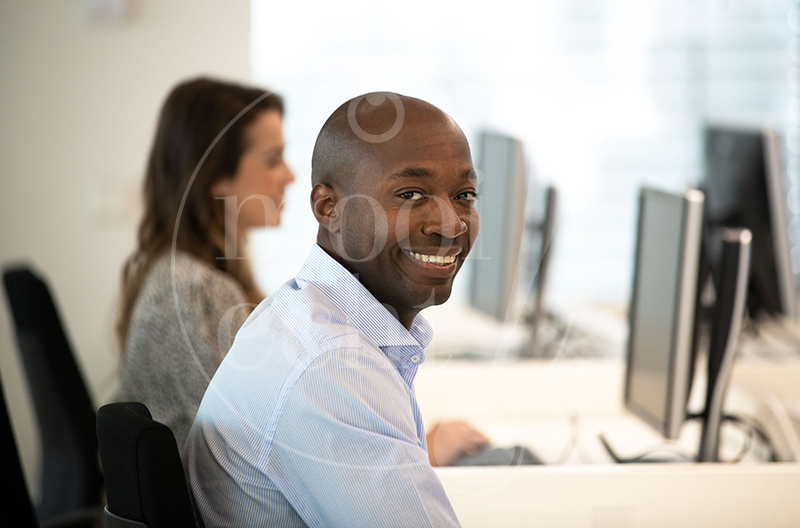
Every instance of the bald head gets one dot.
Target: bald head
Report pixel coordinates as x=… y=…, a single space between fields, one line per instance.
x=362 y=131
x=394 y=191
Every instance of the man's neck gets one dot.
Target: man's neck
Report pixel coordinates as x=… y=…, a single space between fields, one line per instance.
x=407 y=320
x=406 y=317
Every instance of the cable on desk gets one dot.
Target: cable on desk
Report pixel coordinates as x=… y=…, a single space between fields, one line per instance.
x=754 y=429
x=748 y=424
x=574 y=438
x=680 y=455
x=752 y=425
x=746 y=446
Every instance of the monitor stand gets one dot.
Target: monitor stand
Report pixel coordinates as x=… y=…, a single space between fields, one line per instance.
x=547 y=231
x=725 y=328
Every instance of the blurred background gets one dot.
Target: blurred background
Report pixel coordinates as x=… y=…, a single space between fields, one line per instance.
x=606 y=95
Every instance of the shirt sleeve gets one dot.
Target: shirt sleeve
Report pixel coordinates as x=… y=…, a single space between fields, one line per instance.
x=346 y=450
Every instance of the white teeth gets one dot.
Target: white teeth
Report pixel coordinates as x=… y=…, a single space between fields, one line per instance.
x=441 y=261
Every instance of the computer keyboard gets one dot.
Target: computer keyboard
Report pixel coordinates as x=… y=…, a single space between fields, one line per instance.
x=500 y=456
x=557 y=337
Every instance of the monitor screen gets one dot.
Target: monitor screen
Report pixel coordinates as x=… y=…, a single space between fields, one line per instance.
x=502 y=186
x=744 y=187
x=662 y=307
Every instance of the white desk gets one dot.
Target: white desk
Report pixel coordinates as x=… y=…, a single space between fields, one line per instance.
x=641 y=495
x=531 y=402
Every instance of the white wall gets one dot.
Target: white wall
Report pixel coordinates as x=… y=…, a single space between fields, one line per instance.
x=77 y=112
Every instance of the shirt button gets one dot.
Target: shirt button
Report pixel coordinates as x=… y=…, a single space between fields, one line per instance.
x=415 y=359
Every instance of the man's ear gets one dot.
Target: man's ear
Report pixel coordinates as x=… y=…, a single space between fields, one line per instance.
x=323 y=203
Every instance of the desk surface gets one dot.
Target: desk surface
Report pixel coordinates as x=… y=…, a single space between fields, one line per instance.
x=531 y=402
x=669 y=496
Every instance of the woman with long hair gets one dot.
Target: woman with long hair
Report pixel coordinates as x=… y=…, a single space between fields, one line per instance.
x=216 y=169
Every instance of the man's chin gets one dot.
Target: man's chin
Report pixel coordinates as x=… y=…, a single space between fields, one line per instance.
x=435 y=296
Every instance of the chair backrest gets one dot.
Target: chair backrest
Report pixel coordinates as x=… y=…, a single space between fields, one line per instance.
x=17 y=502
x=145 y=482
x=71 y=478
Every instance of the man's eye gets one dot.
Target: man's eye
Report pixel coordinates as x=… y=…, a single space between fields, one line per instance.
x=412 y=195
x=469 y=196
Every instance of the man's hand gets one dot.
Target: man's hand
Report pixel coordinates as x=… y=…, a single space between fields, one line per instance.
x=449 y=440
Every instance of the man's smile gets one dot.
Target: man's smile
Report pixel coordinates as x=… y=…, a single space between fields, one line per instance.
x=430 y=265
x=433 y=259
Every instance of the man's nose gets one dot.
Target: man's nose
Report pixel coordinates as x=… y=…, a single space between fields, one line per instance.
x=444 y=220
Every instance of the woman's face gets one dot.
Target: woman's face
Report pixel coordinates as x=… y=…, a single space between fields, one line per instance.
x=254 y=196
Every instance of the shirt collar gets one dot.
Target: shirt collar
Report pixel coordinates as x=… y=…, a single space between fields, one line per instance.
x=364 y=311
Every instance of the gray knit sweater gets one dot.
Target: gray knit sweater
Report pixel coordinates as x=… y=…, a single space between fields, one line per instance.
x=167 y=366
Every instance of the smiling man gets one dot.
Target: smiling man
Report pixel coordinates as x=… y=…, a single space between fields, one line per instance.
x=311 y=420
x=399 y=212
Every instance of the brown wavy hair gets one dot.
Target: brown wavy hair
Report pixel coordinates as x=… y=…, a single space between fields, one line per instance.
x=196 y=114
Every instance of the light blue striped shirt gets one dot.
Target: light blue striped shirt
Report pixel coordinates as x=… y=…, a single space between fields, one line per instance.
x=311 y=419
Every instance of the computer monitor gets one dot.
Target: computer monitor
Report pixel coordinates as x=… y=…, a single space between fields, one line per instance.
x=662 y=342
x=744 y=187
x=502 y=186
x=662 y=309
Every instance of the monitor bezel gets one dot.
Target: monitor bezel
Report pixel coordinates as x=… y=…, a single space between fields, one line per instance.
x=681 y=356
x=508 y=225
x=779 y=218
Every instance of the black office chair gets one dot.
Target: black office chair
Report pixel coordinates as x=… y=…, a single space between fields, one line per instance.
x=17 y=505
x=145 y=482
x=70 y=480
